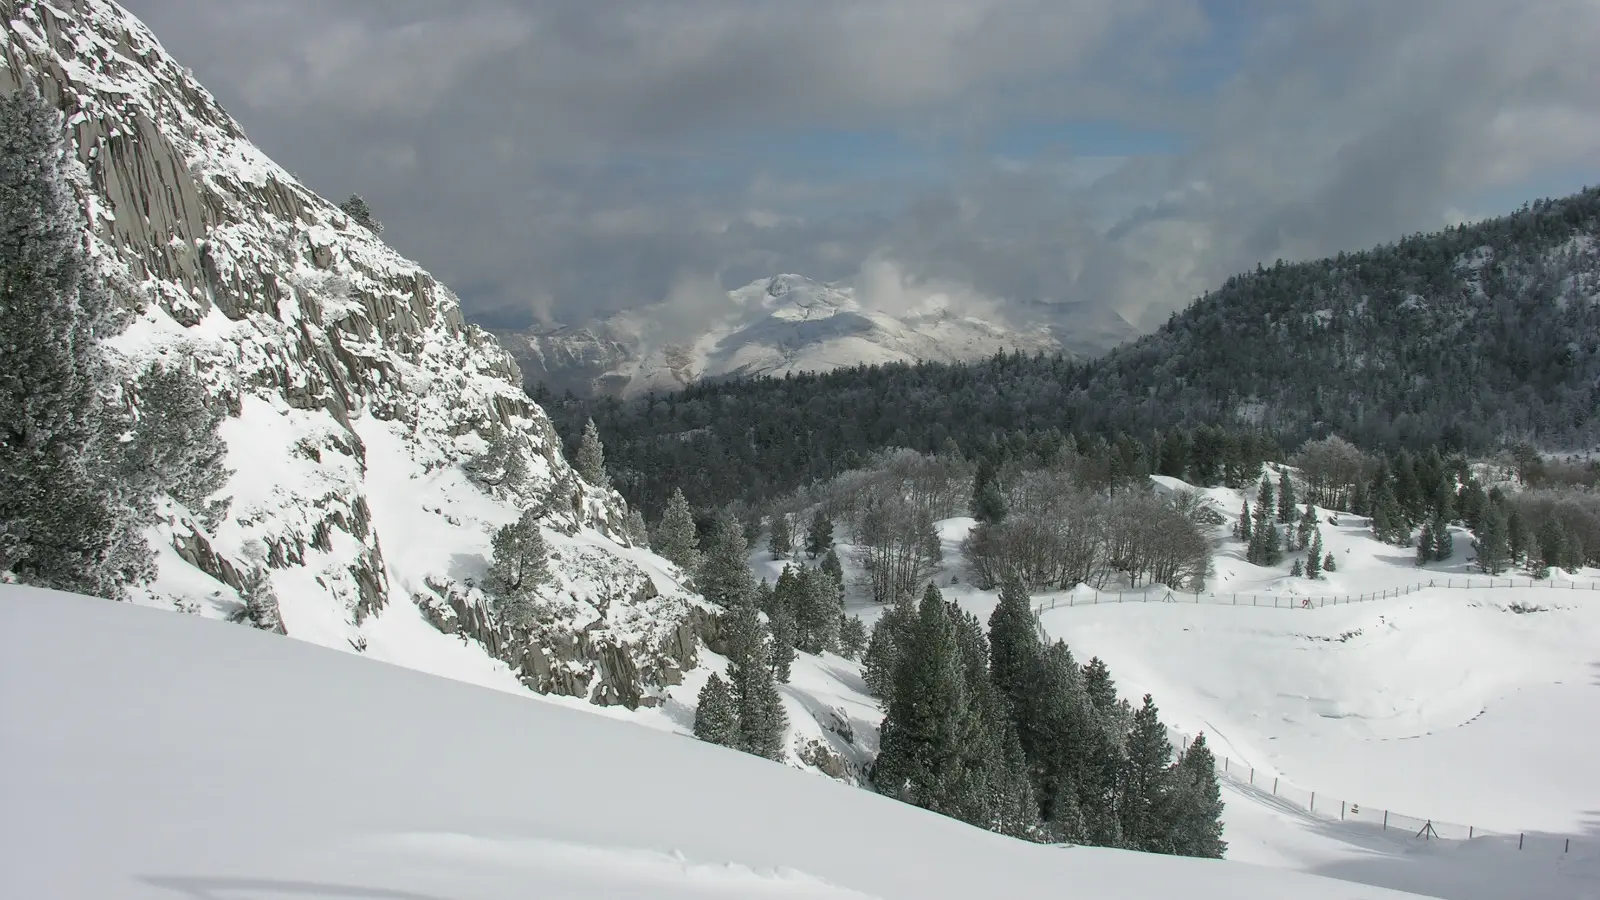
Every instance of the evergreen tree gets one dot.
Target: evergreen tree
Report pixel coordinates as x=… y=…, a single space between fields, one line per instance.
x=831 y=567
x=677 y=539
x=1425 y=548
x=175 y=446
x=883 y=649
x=634 y=527
x=58 y=495
x=819 y=537
x=1286 y=500
x=724 y=577
x=1098 y=685
x=988 y=503
x=1471 y=502
x=1145 y=780
x=1493 y=553
x=819 y=609
x=591 y=459
x=1329 y=564
x=1242 y=529
x=1520 y=542
x=852 y=636
x=1014 y=645
x=1553 y=544
x=1264 y=549
x=1298 y=569
x=261 y=600
x=1306 y=528
x=780 y=540
x=357 y=209
x=520 y=564
x=1444 y=546
x=755 y=694
x=1314 y=557
x=716 y=718
x=781 y=653
x=923 y=758
x=1194 y=811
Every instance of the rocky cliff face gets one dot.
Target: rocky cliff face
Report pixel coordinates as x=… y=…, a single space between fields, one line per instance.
x=356 y=388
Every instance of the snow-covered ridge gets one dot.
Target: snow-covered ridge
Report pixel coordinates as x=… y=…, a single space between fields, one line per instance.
x=773 y=326
x=357 y=388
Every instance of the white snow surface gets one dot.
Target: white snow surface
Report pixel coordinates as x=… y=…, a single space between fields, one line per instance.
x=153 y=755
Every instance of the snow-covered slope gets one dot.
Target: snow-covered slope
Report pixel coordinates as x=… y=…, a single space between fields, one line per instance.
x=1440 y=704
x=777 y=325
x=150 y=755
x=355 y=386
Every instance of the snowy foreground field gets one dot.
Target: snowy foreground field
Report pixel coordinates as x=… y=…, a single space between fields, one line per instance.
x=151 y=754
x=148 y=754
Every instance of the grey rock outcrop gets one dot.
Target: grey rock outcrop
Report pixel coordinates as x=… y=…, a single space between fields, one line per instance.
x=321 y=340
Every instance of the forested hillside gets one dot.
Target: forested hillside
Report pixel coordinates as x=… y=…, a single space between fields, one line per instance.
x=1468 y=339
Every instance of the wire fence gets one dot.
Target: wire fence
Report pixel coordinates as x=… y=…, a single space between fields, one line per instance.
x=1162 y=594
x=1387 y=822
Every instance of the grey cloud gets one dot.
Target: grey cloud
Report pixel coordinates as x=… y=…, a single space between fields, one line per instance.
x=564 y=160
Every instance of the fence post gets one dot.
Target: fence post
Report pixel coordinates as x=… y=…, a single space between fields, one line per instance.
x=1469 y=832
x=1568 y=847
x=1274 y=787
x=1341 y=810
x=1252 y=774
x=1313 y=801
x=1386 y=820
x=1224 y=764
x=1519 y=840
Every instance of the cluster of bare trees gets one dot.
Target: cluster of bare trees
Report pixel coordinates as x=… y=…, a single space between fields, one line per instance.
x=888 y=510
x=1058 y=533
x=1331 y=469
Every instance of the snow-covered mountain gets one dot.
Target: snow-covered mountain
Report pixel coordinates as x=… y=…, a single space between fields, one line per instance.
x=356 y=391
x=787 y=323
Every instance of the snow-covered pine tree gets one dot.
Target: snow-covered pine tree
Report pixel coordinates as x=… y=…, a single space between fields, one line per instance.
x=724 y=574
x=676 y=536
x=1425 y=544
x=1306 y=527
x=762 y=720
x=922 y=759
x=499 y=464
x=590 y=460
x=1493 y=554
x=1194 y=810
x=883 y=648
x=1329 y=564
x=1297 y=569
x=1242 y=530
x=1145 y=780
x=780 y=538
x=831 y=566
x=1014 y=645
x=988 y=503
x=1520 y=541
x=1314 y=557
x=519 y=565
x=634 y=527
x=1265 y=549
x=819 y=536
x=1553 y=543
x=781 y=653
x=1444 y=546
x=357 y=209
x=716 y=718
x=260 y=600
x=818 y=609
x=852 y=636
x=1286 y=502
x=62 y=510
x=175 y=446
